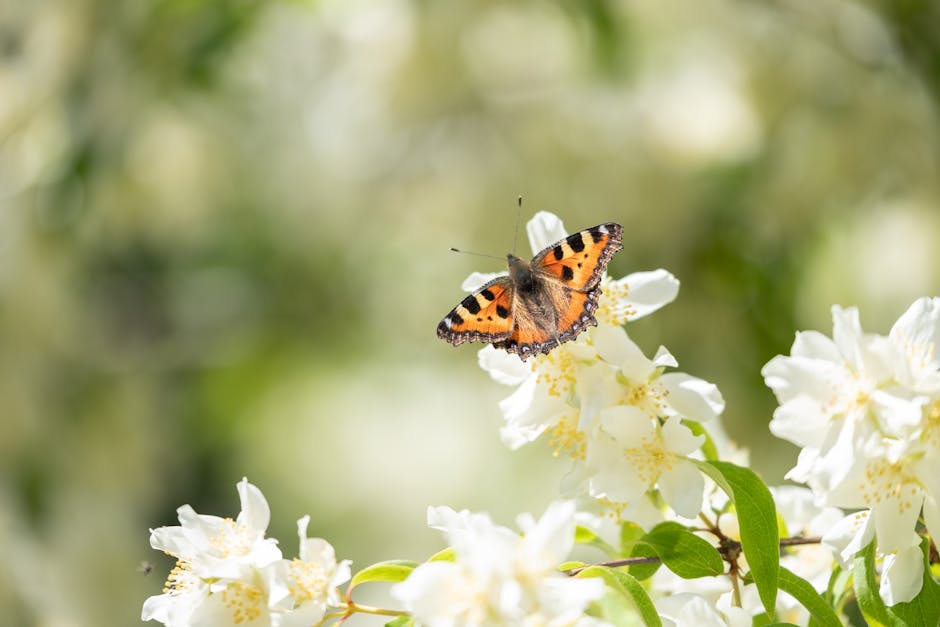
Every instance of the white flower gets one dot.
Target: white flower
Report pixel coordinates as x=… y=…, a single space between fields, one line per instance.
x=866 y=410
x=228 y=573
x=301 y=589
x=498 y=577
x=903 y=567
x=633 y=453
x=221 y=547
x=209 y=549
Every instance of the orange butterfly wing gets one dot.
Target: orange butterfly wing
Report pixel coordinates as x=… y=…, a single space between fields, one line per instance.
x=579 y=260
x=577 y=316
x=483 y=316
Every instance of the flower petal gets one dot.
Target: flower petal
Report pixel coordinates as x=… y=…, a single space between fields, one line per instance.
x=544 y=229
x=503 y=367
x=612 y=343
x=650 y=291
x=800 y=421
x=679 y=439
x=664 y=359
x=902 y=575
x=918 y=331
x=551 y=539
x=476 y=280
x=688 y=610
x=849 y=536
x=846 y=332
x=626 y=424
x=682 y=487
x=529 y=411
x=307 y=614
x=895 y=517
x=255 y=511
x=797 y=376
x=694 y=398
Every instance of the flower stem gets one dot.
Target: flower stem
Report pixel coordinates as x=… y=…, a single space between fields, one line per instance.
x=368 y=609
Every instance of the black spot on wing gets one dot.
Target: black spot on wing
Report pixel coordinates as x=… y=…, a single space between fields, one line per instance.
x=596 y=233
x=487 y=294
x=576 y=243
x=470 y=304
x=558 y=252
x=502 y=312
x=455 y=318
x=567 y=273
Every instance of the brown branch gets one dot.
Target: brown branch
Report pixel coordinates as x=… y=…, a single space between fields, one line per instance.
x=798 y=540
x=729 y=549
x=627 y=561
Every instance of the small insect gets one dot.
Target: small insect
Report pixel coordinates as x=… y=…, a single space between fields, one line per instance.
x=542 y=303
x=145 y=567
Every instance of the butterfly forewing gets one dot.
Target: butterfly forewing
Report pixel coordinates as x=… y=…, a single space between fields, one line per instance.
x=579 y=260
x=483 y=316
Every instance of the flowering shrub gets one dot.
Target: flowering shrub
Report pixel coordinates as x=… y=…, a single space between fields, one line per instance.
x=687 y=534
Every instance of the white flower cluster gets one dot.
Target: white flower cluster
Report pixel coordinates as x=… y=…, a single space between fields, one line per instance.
x=607 y=406
x=228 y=573
x=866 y=411
x=500 y=577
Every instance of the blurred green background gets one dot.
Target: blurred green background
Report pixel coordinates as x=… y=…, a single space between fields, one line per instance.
x=224 y=233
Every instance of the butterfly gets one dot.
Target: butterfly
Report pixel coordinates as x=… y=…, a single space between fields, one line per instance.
x=541 y=303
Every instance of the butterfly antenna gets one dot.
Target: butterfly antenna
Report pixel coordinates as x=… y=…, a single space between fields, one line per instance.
x=515 y=235
x=467 y=252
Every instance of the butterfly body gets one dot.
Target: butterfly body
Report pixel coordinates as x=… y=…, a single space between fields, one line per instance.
x=541 y=303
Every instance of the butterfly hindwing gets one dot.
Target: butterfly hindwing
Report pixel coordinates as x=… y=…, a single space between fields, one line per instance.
x=579 y=260
x=483 y=316
x=577 y=315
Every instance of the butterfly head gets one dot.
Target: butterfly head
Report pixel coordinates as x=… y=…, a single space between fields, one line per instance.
x=520 y=272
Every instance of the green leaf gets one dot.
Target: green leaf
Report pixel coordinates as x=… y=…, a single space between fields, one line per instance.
x=866 y=590
x=583 y=535
x=392 y=571
x=446 y=555
x=924 y=609
x=615 y=609
x=803 y=591
x=757 y=519
x=683 y=552
x=628 y=588
x=630 y=533
x=840 y=587
x=401 y=621
x=644 y=571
